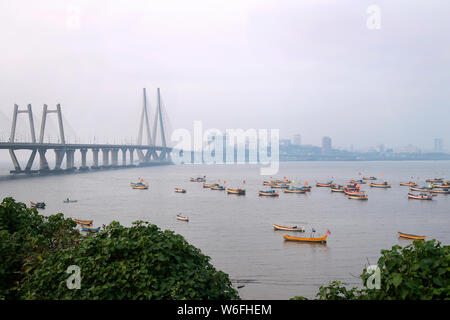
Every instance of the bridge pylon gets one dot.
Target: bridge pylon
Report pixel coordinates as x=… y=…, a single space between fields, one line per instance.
x=13 y=135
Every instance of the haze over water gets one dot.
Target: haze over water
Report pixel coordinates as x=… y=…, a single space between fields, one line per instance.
x=236 y=231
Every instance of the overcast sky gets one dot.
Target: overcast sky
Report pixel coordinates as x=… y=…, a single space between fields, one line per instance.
x=308 y=67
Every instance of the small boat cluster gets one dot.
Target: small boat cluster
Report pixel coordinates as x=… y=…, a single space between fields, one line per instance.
x=86 y=225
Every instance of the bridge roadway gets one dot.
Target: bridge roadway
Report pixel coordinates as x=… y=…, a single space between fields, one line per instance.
x=148 y=155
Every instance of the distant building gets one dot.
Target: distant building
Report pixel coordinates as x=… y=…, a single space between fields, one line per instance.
x=285 y=142
x=297 y=140
x=438 y=145
x=326 y=145
x=380 y=148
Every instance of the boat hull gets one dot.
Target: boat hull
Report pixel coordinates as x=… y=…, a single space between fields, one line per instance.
x=302 y=239
x=285 y=228
x=410 y=236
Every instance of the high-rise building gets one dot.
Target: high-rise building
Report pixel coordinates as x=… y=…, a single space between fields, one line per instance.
x=438 y=145
x=326 y=145
x=297 y=140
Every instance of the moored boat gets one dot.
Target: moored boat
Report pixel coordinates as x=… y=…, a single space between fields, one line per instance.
x=357 y=181
x=421 y=189
x=337 y=188
x=37 y=205
x=380 y=185
x=89 y=229
x=411 y=236
x=326 y=185
x=83 y=222
x=268 y=193
x=180 y=190
x=279 y=186
x=70 y=201
x=182 y=218
x=369 y=178
x=217 y=187
x=209 y=185
x=268 y=183
x=285 y=228
x=440 y=191
x=140 y=185
x=422 y=196
x=305 y=239
x=435 y=180
x=408 y=184
x=361 y=195
x=293 y=190
x=444 y=185
x=238 y=191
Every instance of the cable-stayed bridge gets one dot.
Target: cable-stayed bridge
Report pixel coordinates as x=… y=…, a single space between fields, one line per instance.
x=104 y=156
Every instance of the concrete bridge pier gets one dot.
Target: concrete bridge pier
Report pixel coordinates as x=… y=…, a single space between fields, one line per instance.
x=115 y=158
x=83 y=159
x=95 y=159
x=105 y=163
x=59 y=155
x=70 y=163
x=43 y=167
x=124 y=157
x=131 y=157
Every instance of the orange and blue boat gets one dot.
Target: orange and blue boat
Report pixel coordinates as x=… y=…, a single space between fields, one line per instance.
x=268 y=193
x=239 y=191
x=89 y=229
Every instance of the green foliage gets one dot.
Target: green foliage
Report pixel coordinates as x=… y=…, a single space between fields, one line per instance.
x=24 y=237
x=140 y=262
x=418 y=271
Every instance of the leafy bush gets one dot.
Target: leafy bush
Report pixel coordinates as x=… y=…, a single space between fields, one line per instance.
x=24 y=237
x=418 y=271
x=140 y=262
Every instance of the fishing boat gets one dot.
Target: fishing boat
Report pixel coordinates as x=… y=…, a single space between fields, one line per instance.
x=337 y=188
x=326 y=185
x=208 y=185
x=304 y=239
x=369 y=178
x=435 y=180
x=285 y=181
x=440 y=191
x=83 y=222
x=380 y=185
x=268 y=183
x=89 y=229
x=351 y=188
x=37 y=205
x=306 y=188
x=269 y=193
x=198 y=179
x=422 y=196
x=410 y=236
x=238 y=191
x=70 y=201
x=408 y=184
x=421 y=189
x=217 y=187
x=294 y=190
x=182 y=218
x=280 y=186
x=358 y=195
x=444 y=185
x=357 y=181
x=284 y=228
x=180 y=190
x=140 y=185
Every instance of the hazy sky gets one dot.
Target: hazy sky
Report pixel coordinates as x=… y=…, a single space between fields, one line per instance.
x=309 y=67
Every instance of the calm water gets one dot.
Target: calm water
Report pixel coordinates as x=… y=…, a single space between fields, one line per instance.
x=236 y=232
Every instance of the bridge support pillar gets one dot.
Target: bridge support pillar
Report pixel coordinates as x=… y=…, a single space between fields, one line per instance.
x=59 y=158
x=105 y=162
x=95 y=158
x=131 y=156
x=83 y=159
x=115 y=157
x=70 y=163
x=43 y=163
x=124 y=157
x=17 y=168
